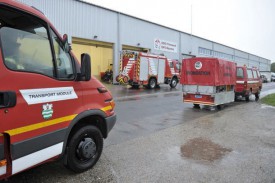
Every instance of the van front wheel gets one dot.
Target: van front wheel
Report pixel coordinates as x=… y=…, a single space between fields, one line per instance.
x=84 y=148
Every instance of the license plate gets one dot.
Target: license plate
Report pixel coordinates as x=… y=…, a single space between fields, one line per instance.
x=198 y=96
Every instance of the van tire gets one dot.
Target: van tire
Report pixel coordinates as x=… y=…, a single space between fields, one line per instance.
x=257 y=96
x=84 y=148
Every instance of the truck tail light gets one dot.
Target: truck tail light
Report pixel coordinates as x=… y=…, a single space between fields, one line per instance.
x=3 y=163
x=102 y=90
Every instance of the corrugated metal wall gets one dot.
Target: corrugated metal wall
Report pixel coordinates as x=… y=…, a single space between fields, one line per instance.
x=84 y=20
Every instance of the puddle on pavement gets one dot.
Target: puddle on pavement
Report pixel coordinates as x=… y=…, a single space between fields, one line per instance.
x=203 y=149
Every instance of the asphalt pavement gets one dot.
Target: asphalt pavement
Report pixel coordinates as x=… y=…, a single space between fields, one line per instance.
x=159 y=139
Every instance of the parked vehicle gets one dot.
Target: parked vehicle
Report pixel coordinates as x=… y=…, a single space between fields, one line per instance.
x=149 y=70
x=50 y=105
x=248 y=82
x=267 y=75
x=208 y=81
x=107 y=76
x=263 y=78
x=273 y=77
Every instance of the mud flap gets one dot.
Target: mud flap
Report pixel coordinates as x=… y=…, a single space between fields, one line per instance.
x=3 y=161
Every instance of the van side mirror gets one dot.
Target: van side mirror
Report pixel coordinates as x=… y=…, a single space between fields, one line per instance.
x=66 y=44
x=85 y=67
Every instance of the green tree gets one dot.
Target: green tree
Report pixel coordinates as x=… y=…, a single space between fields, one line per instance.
x=273 y=67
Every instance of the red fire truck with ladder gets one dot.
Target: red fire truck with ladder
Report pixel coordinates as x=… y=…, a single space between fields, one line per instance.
x=50 y=105
x=208 y=81
x=149 y=70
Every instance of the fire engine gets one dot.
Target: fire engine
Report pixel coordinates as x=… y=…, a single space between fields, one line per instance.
x=149 y=70
x=208 y=81
x=50 y=105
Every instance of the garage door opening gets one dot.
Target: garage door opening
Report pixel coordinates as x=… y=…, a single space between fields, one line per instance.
x=101 y=54
x=133 y=48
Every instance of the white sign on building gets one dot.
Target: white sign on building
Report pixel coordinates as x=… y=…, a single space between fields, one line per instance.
x=163 y=45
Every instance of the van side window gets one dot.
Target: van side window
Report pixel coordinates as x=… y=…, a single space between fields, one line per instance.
x=249 y=74
x=26 y=46
x=63 y=59
x=240 y=73
x=255 y=74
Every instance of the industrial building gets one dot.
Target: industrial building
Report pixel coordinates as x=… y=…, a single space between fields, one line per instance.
x=104 y=34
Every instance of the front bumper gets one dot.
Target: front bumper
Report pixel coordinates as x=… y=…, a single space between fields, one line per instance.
x=110 y=123
x=242 y=93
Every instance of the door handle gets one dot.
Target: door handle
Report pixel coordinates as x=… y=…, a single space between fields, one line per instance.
x=7 y=99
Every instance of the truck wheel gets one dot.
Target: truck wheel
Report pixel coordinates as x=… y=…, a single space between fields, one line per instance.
x=247 y=98
x=152 y=83
x=135 y=86
x=257 y=96
x=174 y=83
x=84 y=148
x=196 y=106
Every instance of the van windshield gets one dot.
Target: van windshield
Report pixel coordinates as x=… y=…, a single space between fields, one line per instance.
x=240 y=73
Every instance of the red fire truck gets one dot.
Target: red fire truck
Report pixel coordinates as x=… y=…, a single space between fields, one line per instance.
x=50 y=105
x=208 y=81
x=149 y=70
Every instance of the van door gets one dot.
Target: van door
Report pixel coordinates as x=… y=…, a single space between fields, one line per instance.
x=251 y=83
x=36 y=67
x=240 y=80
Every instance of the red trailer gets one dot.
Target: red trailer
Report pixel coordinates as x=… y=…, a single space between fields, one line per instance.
x=208 y=81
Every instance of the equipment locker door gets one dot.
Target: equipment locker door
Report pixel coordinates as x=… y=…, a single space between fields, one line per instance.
x=144 y=69
x=161 y=70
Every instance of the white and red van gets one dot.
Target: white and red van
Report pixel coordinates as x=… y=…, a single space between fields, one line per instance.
x=50 y=105
x=248 y=82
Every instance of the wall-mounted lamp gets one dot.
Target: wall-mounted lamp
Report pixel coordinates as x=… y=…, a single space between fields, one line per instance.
x=95 y=36
x=138 y=44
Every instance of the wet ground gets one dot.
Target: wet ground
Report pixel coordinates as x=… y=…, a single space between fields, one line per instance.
x=158 y=139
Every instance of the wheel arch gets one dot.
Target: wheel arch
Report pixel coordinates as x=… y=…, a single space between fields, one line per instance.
x=175 y=76
x=89 y=117
x=153 y=77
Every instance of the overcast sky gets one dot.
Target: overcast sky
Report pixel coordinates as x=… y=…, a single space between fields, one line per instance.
x=248 y=25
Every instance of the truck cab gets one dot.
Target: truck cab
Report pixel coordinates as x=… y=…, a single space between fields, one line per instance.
x=248 y=82
x=50 y=105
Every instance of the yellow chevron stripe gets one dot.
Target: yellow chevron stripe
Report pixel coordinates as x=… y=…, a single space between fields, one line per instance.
x=44 y=124
x=36 y=126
